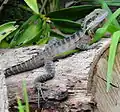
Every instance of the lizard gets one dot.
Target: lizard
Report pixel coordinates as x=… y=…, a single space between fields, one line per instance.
x=52 y=49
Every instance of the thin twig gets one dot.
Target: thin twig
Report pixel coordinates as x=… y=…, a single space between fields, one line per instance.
x=2 y=6
x=43 y=6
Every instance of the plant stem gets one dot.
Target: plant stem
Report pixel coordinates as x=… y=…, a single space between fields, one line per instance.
x=43 y=6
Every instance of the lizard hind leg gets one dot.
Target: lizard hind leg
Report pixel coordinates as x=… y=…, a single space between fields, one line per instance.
x=50 y=72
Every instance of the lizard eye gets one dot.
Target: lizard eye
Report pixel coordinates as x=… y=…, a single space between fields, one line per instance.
x=97 y=13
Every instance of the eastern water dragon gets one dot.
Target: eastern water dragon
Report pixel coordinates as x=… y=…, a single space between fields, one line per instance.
x=78 y=40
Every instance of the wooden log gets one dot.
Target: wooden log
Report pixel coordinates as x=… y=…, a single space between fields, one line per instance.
x=3 y=93
x=107 y=101
x=74 y=73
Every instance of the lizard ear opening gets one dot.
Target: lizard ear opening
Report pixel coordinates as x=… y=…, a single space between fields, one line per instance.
x=97 y=13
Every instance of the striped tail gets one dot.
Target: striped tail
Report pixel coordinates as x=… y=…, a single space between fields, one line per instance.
x=34 y=62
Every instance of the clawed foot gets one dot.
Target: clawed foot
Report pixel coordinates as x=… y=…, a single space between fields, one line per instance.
x=55 y=93
x=40 y=94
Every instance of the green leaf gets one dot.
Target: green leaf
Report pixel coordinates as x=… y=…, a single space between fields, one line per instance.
x=105 y=6
x=66 y=26
x=11 y=35
x=113 y=3
x=28 y=31
x=72 y=13
x=45 y=36
x=4 y=44
x=43 y=41
x=6 y=29
x=21 y=29
x=34 y=40
x=33 y=5
x=56 y=34
x=29 y=21
x=112 y=52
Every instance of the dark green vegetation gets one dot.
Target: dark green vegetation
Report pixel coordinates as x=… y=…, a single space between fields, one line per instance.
x=39 y=28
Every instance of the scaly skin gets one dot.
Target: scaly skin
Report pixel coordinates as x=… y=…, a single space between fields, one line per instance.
x=53 y=49
x=69 y=43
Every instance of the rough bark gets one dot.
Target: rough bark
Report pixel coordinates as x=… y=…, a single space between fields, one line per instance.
x=74 y=72
x=3 y=94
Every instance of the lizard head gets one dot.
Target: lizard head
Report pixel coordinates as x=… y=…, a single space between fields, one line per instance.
x=94 y=19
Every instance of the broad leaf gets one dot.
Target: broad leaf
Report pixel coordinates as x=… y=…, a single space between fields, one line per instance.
x=33 y=5
x=66 y=26
x=72 y=13
x=4 y=44
x=28 y=31
x=6 y=29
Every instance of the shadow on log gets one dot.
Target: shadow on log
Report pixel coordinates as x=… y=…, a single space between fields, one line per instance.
x=78 y=74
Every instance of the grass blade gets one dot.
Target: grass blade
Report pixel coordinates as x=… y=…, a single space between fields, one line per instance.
x=25 y=96
x=20 y=106
x=101 y=31
x=105 y=6
x=112 y=52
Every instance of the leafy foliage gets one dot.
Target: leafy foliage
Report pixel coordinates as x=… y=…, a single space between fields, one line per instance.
x=66 y=26
x=72 y=13
x=27 y=32
x=39 y=29
x=5 y=30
